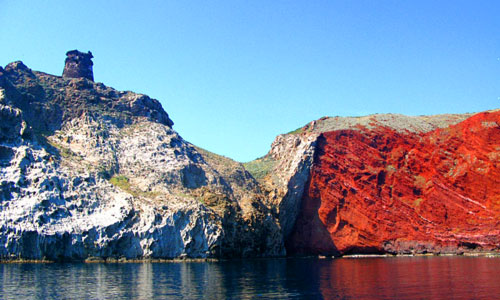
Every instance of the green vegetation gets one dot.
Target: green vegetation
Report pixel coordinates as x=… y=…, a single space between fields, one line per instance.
x=222 y=163
x=260 y=167
x=296 y=131
x=60 y=149
x=121 y=181
x=187 y=196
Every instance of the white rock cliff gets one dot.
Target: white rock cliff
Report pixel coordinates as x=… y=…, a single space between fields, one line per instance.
x=88 y=171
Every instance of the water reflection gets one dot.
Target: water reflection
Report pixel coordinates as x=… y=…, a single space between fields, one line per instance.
x=412 y=278
x=368 y=278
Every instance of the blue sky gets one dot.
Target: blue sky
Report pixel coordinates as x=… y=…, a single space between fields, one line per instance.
x=234 y=74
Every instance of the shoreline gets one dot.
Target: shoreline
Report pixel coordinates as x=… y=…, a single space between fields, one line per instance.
x=95 y=260
x=466 y=254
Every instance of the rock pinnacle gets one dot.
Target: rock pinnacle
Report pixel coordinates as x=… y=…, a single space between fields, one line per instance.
x=78 y=65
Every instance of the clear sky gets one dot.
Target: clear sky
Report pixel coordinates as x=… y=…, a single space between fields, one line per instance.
x=234 y=74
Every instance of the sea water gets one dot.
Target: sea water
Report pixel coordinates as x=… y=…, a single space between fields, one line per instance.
x=297 y=278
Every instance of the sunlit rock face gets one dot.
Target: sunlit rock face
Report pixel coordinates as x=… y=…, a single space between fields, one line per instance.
x=395 y=184
x=91 y=172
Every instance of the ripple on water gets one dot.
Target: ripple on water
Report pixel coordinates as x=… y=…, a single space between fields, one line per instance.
x=365 y=278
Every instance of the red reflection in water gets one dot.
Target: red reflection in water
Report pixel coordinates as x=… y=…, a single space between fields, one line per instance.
x=411 y=278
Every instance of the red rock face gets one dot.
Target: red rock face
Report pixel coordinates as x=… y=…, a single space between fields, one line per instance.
x=377 y=191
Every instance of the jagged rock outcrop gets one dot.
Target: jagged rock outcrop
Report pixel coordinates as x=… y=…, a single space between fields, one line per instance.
x=396 y=184
x=78 y=65
x=88 y=171
x=293 y=155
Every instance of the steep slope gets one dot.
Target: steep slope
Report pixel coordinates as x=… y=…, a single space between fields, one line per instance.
x=396 y=184
x=88 y=171
x=284 y=172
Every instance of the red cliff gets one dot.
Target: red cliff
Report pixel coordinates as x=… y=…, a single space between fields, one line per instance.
x=375 y=189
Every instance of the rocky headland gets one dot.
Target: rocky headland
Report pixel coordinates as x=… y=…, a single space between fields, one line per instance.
x=403 y=185
x=89 y=172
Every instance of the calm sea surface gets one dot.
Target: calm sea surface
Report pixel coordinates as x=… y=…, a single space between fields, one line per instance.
x=362 y=278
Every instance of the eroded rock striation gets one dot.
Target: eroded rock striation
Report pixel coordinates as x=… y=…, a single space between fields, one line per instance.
x=402 y=185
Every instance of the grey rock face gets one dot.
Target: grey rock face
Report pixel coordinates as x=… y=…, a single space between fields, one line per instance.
x=88 y=171
x=64 y=209
x=48 y=102
x=12 y=126
x=294 y=156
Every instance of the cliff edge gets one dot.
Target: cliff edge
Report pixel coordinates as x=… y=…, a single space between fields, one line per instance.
x=91 y=172
x=401 y=185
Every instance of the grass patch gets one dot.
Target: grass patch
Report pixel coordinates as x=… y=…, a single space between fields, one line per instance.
x=62 y=151
x=260 y=167
x=297 y=131
x=121 y=181
x=224 y=165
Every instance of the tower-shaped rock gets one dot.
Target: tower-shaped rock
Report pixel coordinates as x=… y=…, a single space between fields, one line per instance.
x=78 y=64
